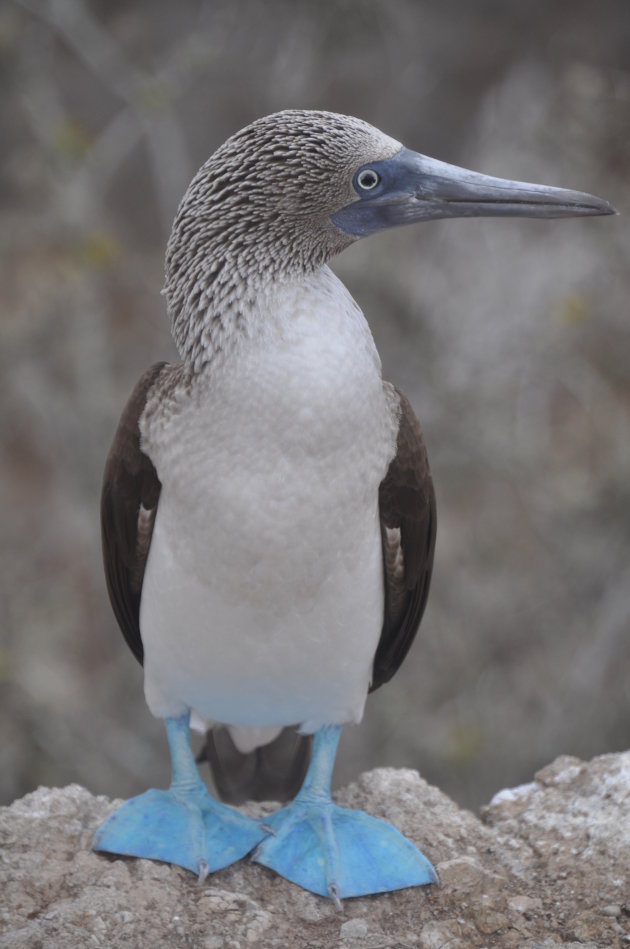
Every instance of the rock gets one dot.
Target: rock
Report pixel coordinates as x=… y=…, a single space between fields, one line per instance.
x=527 y=905
x=548 y=865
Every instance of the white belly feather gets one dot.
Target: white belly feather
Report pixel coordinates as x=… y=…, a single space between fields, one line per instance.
x=262 y=601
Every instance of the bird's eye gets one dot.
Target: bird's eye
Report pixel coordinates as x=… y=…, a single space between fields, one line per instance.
x=368 y=179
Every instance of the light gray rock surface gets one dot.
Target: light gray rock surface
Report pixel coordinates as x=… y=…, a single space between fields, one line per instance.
x=548 y=864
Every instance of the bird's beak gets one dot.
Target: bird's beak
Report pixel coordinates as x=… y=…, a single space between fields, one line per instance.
x=413 y=187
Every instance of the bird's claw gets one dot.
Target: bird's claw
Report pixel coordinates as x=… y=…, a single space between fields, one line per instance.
x=204 y=870
x=333 y=892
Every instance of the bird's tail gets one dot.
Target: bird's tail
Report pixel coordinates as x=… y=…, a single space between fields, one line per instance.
x=273 y=772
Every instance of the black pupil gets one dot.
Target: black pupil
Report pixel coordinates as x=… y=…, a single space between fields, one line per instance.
x=368 y=179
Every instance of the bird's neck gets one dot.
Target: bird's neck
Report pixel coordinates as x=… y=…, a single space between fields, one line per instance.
x=226 y=314
x=223 y=272
x=221 y=293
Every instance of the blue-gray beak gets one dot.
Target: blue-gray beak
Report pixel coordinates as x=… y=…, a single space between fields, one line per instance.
x=412 y=187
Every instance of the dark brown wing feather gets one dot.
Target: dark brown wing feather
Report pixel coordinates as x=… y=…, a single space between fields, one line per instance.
x=408 y=523
x=129 y=499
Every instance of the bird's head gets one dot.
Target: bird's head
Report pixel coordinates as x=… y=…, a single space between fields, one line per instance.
x=291 y=190
x=270 y=191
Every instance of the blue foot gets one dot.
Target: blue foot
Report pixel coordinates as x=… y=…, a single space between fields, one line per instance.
x=183 y=825
x=339 y=852
x=335 y=851
x=191 y=830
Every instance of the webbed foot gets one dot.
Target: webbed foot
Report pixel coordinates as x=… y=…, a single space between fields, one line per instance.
x=336 y=851
x=183 y=825
x=189 y=829
x=339 y=852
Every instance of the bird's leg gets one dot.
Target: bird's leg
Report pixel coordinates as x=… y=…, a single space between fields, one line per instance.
x=183 y=825
x=316 y=785
x=336 y=851
x=185 y=777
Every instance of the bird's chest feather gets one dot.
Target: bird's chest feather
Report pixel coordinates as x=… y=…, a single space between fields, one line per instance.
x=272 y=463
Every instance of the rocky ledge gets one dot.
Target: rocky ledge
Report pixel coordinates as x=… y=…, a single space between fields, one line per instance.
x=547 y=864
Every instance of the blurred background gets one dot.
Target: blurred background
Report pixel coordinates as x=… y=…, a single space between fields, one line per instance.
x=512 y=339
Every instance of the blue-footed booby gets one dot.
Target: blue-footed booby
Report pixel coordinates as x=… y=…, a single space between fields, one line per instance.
x=268 y=514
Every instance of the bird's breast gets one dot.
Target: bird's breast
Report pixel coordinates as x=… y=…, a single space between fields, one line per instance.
x=281 y=450
x=266 y=549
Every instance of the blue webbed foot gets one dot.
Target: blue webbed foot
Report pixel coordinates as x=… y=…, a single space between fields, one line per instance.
x=339 y=852
x=189 y=829
x=183 y=825
x=336 y=851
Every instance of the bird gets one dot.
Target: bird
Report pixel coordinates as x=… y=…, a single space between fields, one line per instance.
x=268 y=513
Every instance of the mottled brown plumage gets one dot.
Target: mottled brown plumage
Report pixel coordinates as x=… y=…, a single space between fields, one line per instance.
x=256 y=212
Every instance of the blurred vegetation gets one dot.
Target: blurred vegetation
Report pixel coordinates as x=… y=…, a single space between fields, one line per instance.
x=512 y=339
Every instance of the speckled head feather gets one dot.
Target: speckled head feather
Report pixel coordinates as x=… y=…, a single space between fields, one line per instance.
x=258 y=211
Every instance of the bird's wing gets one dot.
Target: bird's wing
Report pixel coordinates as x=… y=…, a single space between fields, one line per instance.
x=408 y=523
x=129 y=500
